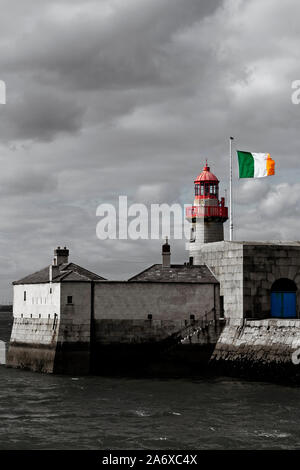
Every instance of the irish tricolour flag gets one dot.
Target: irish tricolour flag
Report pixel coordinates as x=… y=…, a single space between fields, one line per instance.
x=255 y=165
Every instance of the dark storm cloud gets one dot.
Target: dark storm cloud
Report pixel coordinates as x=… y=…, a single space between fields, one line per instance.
x=91 y=47
x=41 y=115
x=112 y=97
x=102 y=44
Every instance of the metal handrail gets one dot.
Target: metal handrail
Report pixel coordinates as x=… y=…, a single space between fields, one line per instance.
x=206 y=211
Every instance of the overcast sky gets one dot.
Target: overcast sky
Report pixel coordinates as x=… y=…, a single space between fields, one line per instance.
x=115 y=97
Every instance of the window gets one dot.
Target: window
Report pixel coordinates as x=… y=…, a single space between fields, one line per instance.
x=193 y=235
x=50 y=290
x=221 y=306
x=192 y=317
x=150 y=316
x=69 y=299
x=213 y=189
x=24 y=295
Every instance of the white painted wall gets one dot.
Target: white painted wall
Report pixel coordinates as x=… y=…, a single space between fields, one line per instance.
x=34 y=318
x=40 y=303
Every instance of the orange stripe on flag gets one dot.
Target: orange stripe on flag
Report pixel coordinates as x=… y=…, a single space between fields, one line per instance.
x=270 y=166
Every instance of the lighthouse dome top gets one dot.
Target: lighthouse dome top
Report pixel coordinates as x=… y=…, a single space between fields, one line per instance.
x=206 y=175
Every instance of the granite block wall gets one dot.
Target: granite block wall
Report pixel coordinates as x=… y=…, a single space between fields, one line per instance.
x=225 y=259
x=262 y=266
x=259 y=348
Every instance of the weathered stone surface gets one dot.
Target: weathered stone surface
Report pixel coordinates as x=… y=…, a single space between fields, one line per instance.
x=164 y=301
x=36 y=357
x=258 y=347
x=151 y=331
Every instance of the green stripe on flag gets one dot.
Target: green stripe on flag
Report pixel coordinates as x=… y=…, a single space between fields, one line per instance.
x=246 y=164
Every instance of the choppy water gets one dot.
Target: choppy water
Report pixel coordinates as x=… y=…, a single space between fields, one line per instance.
x=58 y=412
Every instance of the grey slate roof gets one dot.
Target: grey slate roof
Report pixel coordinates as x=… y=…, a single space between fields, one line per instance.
x=176 y=273
x=67 y=272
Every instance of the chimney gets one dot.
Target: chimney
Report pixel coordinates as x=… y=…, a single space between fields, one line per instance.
x=166 y=255
x=53 y=272
x=61 y=256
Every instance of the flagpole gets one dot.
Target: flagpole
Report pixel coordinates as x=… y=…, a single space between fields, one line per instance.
x=230 y=193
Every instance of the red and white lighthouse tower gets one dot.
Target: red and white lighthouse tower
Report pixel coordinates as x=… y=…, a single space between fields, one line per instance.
x=208 y=213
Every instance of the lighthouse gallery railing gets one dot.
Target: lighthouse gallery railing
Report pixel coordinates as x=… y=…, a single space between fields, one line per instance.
x=206 y=211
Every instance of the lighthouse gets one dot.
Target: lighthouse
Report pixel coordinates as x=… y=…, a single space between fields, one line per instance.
x=207 y=215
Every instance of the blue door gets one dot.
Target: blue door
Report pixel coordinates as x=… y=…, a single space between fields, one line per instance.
x=283 y=304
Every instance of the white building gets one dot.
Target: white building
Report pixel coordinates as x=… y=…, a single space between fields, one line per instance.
x=52 y=317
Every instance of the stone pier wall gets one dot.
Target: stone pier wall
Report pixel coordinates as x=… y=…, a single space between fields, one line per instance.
x=258 y=348
x=50 y=345
x=153 y=346
x=33 y=344
x=153 y=331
